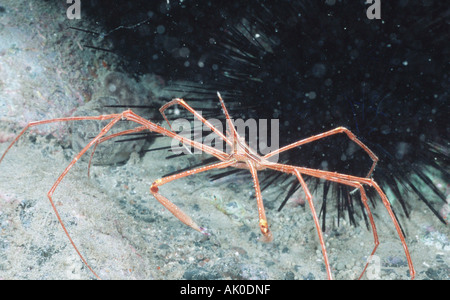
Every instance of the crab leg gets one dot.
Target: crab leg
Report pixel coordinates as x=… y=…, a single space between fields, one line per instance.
x=175 y=210
x=326 y=134
x=316 y=221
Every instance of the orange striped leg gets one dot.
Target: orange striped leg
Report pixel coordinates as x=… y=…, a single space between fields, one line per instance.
x=263 y=225
x=195 y=113
x=316 y=221
x=175 y=210
x=105 y=138
x=376 y=242
x=345 y=179
x=227 y=116
x=326 y=134
x=156 y=128
x=36 y=123
x=51 y=191
x=115 y=118
x=397 y=226
x=359 y=187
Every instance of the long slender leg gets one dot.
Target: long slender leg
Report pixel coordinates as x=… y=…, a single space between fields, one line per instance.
x=376 y=242
x=397 y=226
x=156 y=128
x=359 y=187
x=263 y=225
x=195 y=113
x=36 y=123
x=316 y=221
x=105 y=138
x=218 y=154
x=227 y=116
x=115 y=118
x=344 y=179
x=326 y=134
x=51 y=191
x=175 y=210
x=129 y=115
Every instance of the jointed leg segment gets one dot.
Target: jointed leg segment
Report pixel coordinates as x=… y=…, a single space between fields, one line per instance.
x=195 y=113
x=316 y=221
x=263 y=225
x=359 y=187
x=357 y=182
x=334 y=131
x=177 y=212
